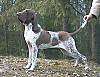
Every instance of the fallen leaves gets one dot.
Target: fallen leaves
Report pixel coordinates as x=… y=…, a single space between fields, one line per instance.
x=13 y=67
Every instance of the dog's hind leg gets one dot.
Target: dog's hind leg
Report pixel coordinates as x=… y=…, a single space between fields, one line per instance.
x=73 y=52
x=34 y=57
x=77 y=55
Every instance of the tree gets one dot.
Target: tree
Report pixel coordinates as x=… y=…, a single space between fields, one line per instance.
x=54 y=15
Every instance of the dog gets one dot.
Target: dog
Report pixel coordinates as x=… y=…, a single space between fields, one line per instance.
x=38 y=38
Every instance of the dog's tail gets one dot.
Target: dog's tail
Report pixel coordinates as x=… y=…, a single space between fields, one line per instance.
x=80 y=28
x=75 y=32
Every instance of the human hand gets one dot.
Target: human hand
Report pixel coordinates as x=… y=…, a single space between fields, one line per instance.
x=88 y=17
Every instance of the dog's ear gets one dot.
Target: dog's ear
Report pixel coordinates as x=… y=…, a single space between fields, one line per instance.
x=35 y=27
x=33 y=17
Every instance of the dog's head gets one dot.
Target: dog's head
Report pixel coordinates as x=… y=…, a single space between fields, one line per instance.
x=29 y=16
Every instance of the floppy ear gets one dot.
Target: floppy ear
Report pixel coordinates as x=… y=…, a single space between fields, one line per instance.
x=34 y=18
x=35 y=28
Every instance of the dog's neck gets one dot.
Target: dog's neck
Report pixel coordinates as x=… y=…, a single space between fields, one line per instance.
x=30 y=27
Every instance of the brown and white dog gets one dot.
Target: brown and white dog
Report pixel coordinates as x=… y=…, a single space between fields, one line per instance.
x=37 y=38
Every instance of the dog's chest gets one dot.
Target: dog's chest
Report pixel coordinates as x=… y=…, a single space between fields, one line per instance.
x=30 y=35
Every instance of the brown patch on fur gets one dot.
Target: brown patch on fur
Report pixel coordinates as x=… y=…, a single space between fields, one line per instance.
x=63 y=35
x=44 y=38
x=27 y=16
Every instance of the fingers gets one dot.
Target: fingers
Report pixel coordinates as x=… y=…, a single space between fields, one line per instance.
x=88 y=17
x=85 y=17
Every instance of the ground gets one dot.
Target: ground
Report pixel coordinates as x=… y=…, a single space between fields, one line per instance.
x=13 y=67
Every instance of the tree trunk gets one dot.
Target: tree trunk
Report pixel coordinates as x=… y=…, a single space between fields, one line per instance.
x=93 y=57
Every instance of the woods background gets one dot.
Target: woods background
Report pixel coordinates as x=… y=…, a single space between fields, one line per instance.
x=54 y=15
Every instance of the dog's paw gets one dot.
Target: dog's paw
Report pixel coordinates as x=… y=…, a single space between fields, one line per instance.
x=87 y=68
x=32 y=67
x=76 y=64
x=27 y=66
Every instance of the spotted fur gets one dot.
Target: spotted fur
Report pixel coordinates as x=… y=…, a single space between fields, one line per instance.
x=37 y=38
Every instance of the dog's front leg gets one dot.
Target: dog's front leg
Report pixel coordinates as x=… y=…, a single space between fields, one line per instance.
x=34 y=57
x=29 y=57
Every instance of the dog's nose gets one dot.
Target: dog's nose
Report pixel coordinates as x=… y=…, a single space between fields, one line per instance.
x=18 y=13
